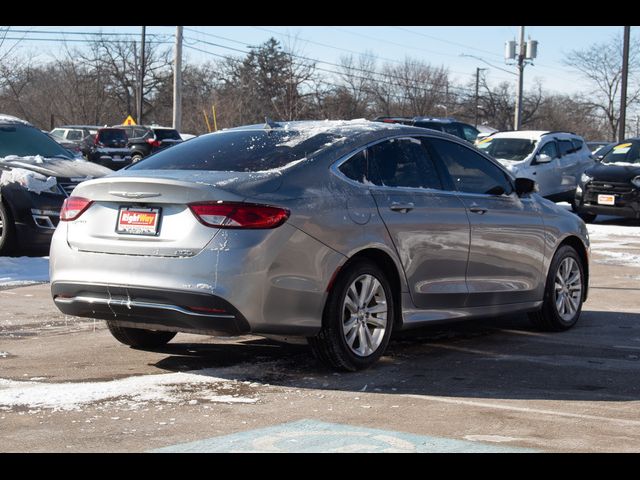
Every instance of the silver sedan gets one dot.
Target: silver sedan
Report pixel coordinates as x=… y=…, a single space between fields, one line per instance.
x=335 y=233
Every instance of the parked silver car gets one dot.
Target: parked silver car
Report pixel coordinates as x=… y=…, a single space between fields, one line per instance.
x=555 y=160
x=335 y=232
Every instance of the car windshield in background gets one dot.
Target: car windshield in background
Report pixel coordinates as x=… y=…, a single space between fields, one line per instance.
x=112 y=135
x=514 y=149
x=25 y=141
x=166 y=134
x=624 y=153
x=238 y=151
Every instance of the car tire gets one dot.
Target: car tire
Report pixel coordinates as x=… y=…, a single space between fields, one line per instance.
x=138 y=337
x=136 y=157
x=356 y=342
x=7 y=230
x=563 y=292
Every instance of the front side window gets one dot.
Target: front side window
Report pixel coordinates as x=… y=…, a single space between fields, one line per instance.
x=469 y=171
x=403 y=162
x=549 y=149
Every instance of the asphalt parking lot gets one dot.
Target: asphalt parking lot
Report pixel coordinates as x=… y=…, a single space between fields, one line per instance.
x=490 y=385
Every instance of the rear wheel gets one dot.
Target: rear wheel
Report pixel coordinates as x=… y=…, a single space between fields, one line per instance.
x=357 y=320
x=7 y=231
x=138 y=337
x=136 y=157
x=563 y=292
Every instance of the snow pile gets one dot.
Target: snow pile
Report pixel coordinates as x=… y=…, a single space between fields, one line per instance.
x=302 y=131
x=23 y=270
x=604 y=238
x=34 y=158
x=170 y=388
x=32 y=181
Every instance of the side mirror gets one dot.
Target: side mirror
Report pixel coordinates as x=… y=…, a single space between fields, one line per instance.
x=525 y=185
x=543 y=158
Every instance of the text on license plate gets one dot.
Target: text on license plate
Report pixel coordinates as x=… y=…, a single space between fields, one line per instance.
x=606 y=200
x=138 y=221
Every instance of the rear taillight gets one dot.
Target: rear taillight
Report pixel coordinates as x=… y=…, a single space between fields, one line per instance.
x=239 y=215
x=153 y=142
x=73 y=207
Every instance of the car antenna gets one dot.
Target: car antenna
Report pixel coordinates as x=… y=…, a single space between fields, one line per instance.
x=270 y=124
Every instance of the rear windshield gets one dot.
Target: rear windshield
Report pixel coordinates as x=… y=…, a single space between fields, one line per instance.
x=238 y=151
x=624 y=153
x=167 y=134
x=514 y=149
x=112 y=135
x=25 y=141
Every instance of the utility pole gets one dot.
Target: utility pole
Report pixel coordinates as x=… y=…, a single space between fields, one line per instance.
x=177 y=81
x=526 y=52
x=478 y=69
x=623 y=93
x=518 y=118
x=141 y=82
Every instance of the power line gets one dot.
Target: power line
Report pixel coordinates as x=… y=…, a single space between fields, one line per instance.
x=455 y=88
x=104 y=34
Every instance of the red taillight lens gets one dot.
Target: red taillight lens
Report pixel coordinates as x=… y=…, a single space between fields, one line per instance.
x=239 y=215
x=73 y=207
x=153 y=142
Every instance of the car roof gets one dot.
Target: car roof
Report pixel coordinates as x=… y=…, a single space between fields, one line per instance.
x=417 y=119
x=81 y=126
x=531 y=134
x=8 y=119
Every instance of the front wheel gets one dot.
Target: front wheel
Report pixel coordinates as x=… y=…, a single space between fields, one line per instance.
x=563 y=294
x=357 y=320
x=7 y=231
x=138 y=337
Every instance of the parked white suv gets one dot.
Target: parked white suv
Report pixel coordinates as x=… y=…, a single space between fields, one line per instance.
x=555 y=160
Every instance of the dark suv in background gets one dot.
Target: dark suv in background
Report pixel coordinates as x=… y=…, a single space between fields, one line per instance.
x=448 y=125
x=109 y=148
x=145 y=140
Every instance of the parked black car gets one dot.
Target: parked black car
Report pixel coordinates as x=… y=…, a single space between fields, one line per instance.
x=145 y=140
x=109 y=148
x=612 y=186
x=448 y=125
x=36 y=175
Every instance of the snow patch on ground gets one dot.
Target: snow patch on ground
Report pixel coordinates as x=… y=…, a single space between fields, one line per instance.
x=130 y=392
x=603 y=233
x=613 y=242
x=619 y=258
x=16 y=271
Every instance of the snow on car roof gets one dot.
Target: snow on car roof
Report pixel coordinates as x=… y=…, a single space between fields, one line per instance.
x=10 y=119
x=528 y=134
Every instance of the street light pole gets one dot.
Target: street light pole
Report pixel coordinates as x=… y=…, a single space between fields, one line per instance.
x=623 y=93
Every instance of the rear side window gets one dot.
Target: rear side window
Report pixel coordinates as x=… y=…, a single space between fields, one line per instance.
x=166 y=134
x=239 y=151
x=357 y=169
x=403 y=163
x=74 y=135
x=469 y=171
x=577 y=144
x=112 y=135
x=470 y=133
x=565 y=146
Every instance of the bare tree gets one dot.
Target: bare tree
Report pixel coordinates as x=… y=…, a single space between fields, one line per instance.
x=601 y=65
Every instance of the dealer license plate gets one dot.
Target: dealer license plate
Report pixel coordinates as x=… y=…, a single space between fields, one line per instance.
x=138 y=221
x=606 y=200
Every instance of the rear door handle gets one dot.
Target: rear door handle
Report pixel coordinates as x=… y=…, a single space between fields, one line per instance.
x=402 y=207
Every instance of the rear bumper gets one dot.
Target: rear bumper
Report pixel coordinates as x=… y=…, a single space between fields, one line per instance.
x=268 y=282
x=150 y=308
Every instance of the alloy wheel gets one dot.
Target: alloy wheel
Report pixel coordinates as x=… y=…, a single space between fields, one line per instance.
x=568 y=288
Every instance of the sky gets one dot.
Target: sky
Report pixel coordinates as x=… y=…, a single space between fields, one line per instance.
x=461 y=49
